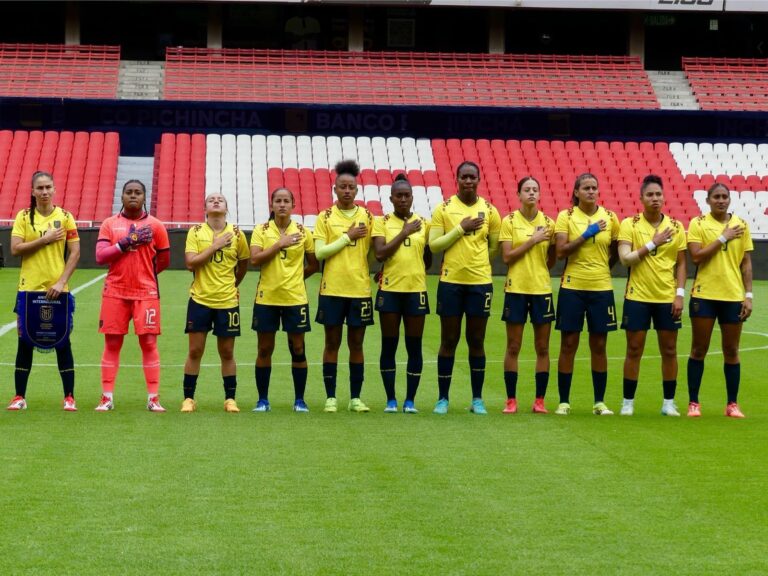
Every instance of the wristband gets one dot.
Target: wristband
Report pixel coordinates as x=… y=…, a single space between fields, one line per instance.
x=748 y=295
x=347 y=239
x=680 y=292
x=650 y=246
x=722 y=239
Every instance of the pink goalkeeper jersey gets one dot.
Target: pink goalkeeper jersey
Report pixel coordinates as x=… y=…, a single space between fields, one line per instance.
x=133 y=276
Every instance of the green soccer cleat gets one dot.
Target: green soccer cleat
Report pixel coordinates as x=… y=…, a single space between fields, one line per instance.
x=331 y=405
x=600 y=409
x=563 y=409
x=357 y=405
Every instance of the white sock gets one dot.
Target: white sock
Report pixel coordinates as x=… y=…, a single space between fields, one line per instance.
x=628 y=402
x=107 y=395
x=151 y=396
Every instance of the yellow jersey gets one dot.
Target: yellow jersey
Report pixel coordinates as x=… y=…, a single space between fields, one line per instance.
x=719 y=278
x=41 y=269
x=281 y=282
x=213 y=284
x=529 y=274
x=467 y=261
x=653 y=278
x=346 y=273
x=404 y=270
x=587 y=268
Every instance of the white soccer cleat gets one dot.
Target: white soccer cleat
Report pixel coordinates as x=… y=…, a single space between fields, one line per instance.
x=105 y=405
x=153 y=404
x=627 y=408
x=668 y=408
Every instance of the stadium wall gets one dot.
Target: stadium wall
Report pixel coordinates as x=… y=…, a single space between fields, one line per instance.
x=141 y=123
x=178 y=238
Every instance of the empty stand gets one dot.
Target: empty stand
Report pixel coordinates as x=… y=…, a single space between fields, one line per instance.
x=728 y=83
x=398 y=78
x=246 y=169
x=62 y=71
x=83 y=164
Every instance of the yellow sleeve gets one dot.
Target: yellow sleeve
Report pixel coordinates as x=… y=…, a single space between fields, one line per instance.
x=625 y=230
x=694 y=231
x=19 y=226
x=614 y=227
x=681 y=241
x=561 y=224
x=748 y=246
x=309 y=242
x=243 y=252
x=507 y=230
x=191 y=244
x=257 y=237
x=378 y=228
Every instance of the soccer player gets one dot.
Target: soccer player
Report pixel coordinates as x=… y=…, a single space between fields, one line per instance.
x=720 y=246
x=136 y=248
x=466 y=228
x=586 y=236
x=217 y=254
x=342 y=242
x=653 y=246
x=285 y=251
x=45 y=237
x=527 y=248
x=400 y=242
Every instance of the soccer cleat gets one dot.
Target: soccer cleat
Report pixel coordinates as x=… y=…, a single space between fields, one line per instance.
x=600 y=409
x=694 y=410
x=153 y=404
x=188 y=405
x=563 y=409
x=538 y=407
x=441 y=407
x=357 y=405
x=510 y=407
x=409 y=407
x=391 y=406
x=732 y=411
x=627 y=408
x=105 y=404
x=300 y=406
x=262 y=406
x=18 y=403
x=669 y=409
x=69 y=404
x=478 y=407
x=231 y=406
x=331 y=405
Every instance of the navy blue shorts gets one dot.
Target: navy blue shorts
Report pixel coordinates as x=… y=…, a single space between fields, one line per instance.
x=725 y=312
x=518 y=307
x=637 y=316
x=335 y=310
x=403 y=303
x=224 y=321
x=598 y=306
x=267 y=318
x=459 y=299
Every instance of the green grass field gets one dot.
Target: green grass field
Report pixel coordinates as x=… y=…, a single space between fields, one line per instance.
x=130 y=492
